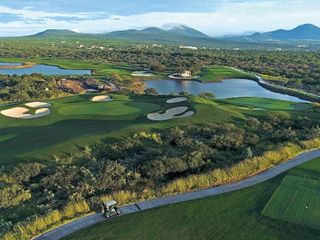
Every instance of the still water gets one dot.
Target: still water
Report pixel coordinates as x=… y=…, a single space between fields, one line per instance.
x=226 y=89
x=40 y=68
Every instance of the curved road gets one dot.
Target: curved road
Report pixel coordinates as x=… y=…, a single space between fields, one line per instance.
x=248 y=182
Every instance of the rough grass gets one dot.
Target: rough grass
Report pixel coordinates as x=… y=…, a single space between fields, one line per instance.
x=218 y=73
x=296 y=201
x=235 y=215
x=267 y=103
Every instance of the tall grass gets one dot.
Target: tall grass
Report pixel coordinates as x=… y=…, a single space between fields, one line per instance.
x=39 y=224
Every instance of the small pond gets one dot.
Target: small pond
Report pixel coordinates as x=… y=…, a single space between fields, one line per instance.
x=41 y=68
x=226 y=89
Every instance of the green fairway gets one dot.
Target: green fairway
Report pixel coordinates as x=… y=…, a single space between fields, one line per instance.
x=234 y=215
x=296 y=201
x=77 y=121
x=217 y=73
x=268 y=103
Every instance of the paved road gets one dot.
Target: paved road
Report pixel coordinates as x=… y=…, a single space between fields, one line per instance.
x=248 y=182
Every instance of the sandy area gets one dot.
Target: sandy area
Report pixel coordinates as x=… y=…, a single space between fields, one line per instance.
x=142 y=74
x=38 y=104
x=170 y=114
x=16 y=112
x=21 y=112
x=177 y=100
x=102 y=98
x=39 y=113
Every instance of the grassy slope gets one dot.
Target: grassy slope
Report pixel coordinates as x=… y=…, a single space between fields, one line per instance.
x=75 y=121
x=218 y=73
x=234 y=215
x=267 y=103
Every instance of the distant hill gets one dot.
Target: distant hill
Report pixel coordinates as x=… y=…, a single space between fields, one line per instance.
x=177 y=33
x=56 y=33
x=305 y=32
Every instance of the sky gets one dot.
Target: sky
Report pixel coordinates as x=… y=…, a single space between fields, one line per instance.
x=213 y=17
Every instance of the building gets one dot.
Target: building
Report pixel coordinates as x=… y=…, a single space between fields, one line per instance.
x=186 y=74
x=188 y=47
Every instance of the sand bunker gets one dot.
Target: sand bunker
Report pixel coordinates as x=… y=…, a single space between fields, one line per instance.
x=16 y=112
x=22 y=113
x=38 y=104
x=39 y=113
x=102 y=98
x=142 y=74
x=177 y=100
x=170 y=114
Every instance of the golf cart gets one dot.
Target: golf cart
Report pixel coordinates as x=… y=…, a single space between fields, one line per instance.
x=110 y=209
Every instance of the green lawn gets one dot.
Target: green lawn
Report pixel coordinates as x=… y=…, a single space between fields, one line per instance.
x=296 y=201
x=76 y=121
x=218 y=73
x=267 y=103
x=236 y=215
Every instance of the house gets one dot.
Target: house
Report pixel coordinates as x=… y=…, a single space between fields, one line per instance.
x=186 y=74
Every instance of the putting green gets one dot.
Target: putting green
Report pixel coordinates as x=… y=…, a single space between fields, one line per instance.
x=114 y=108
x=296 y=201
x=268 y=103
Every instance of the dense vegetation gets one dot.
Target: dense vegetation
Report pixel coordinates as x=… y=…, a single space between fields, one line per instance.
x=300 y=70
x=138 y=164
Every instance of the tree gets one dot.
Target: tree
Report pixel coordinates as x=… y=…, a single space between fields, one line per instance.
x=206 y=95
x=150 y=91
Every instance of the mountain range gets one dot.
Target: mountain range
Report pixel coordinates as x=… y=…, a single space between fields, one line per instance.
x=305 y=32
x=186 y=35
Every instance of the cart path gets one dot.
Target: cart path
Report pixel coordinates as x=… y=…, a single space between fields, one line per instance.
x=85 y=222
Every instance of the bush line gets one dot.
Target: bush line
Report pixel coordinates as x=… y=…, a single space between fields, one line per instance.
x=244 y=169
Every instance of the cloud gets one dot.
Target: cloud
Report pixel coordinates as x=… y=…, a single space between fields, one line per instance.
x=227 y=17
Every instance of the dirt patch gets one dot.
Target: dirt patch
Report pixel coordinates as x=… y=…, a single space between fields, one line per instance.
x=71 y=86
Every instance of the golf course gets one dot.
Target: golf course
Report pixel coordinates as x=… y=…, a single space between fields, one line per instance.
x=65 y=152
x=270 y=210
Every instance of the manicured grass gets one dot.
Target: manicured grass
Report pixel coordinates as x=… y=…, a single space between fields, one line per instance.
x=76 y=121
x=296 y=201
x=235 y=215
x=218 y=73
x=267 y=103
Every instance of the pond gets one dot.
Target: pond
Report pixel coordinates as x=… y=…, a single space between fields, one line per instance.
x=226 y=89
x=41 y=68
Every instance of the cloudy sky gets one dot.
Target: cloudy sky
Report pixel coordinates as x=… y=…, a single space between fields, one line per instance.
x=214 y=17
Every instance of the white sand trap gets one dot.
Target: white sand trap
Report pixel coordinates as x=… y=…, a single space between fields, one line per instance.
x=42 y=112
x=170 y=114
x=177 y=100
x=22 y=113
x=16 y=112
x=142 y=74
x=38 y=104
x=186 y=114
x=102 y=98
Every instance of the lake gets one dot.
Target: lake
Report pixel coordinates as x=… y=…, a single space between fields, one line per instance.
x=41 y=68
x=230 y=88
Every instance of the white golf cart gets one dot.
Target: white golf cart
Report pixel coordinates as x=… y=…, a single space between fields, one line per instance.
x=110 y=209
